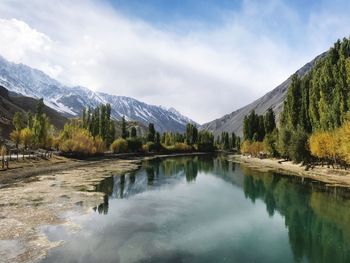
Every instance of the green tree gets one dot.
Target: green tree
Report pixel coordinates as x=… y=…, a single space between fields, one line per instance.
x=269 y=121
x=30 y=120
x=151 y=133
x=18 y=121
x=124 y=131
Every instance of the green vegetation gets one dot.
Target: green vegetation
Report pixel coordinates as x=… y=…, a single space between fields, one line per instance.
x=95 y=132
x=317 y=107
x=314 y=124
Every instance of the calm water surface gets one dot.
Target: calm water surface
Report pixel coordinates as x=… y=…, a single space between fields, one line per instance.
x=206 y=209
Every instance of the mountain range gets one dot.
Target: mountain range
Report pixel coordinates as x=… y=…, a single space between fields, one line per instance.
x=70 y=101
x=274 y=99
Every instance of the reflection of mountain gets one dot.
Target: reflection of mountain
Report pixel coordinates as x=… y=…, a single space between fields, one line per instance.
x=318 y=223
x=169 y=171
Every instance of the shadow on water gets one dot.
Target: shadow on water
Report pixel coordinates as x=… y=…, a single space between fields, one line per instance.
x=317 y=218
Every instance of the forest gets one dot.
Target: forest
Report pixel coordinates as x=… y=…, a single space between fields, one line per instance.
x=314 y=125
x=95 y=133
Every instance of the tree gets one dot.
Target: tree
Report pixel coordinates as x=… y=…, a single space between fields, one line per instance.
x=157 y=140
x=191 y=134
x=133 y=132
x=40 y=107
x=269 y=121
x=15 y=137
x=18 y=121
x=124 y=131
x=270 y=143
x=151 y=133
x=284 y=138
x=26 y=137
x=111 y=133
x=119 y=146
x=298 y=148
x=225 y=141
x=233 y=140
x=30 y=120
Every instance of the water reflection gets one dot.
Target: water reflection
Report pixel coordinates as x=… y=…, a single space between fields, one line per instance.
x=317 y=222
x=205 y=209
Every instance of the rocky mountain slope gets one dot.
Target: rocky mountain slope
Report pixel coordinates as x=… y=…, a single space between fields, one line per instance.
x=274 y=99
x=11 y=103
x=70 y=101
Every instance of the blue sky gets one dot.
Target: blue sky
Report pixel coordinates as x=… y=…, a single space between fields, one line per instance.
x=205 y=58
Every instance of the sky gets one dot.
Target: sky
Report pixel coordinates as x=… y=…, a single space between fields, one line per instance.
x=205 y=58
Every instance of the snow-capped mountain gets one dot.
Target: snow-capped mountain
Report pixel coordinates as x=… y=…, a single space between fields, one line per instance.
x=70 y=101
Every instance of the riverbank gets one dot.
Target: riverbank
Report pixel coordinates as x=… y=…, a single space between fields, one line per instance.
x=328 y=176
x=50 y=192
x=28 y=168
x=27 y=206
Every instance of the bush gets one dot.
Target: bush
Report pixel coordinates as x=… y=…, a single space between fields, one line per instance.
x=252 y=148
x=180 y=148
x=82 y=143
x=152 y=147
x=134 y=145
x=119 y=146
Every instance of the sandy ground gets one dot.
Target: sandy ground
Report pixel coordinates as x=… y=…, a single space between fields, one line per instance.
x=27 y=205
x=326 y=175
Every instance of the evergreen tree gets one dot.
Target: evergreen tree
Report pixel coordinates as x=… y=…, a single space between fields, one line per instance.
x=269 y=121
x=133 y=132
x=151 y=133
x=124 y=131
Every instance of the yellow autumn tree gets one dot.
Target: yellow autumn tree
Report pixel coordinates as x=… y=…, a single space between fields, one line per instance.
x=344 y=141
x=326 y=145
x=26 y=137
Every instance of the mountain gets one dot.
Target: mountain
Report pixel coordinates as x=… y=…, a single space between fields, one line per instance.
x=11 y=103
x=274 y=99
x=70 y=101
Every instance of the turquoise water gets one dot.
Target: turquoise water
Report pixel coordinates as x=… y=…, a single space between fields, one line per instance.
x=206 y=209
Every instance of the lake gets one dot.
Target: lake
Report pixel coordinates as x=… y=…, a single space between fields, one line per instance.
x=207 y=209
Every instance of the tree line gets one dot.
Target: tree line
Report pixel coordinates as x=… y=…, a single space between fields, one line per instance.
x=315 y=121
x=94 y=133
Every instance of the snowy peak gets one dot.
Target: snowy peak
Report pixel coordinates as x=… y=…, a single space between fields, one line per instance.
x=70 y=101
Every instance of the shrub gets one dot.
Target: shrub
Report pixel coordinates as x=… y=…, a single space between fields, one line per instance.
x=134 y=144
x=82 y=143
x=180 y=148
x=253 y=148
x=119 y=146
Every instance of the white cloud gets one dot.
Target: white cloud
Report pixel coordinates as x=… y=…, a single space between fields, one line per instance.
x=202 y=73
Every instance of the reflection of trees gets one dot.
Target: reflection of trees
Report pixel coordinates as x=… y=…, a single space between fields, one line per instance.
x=191 y=170
x=314 y=230
x=106 y=187
x=150 y=175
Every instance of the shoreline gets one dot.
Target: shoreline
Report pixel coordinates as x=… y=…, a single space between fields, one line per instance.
x=14 y=175
x=331 y=177
x=48 y=195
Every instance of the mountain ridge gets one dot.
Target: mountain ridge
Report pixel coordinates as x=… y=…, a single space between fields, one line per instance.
x=233 y=122
x=70 y=101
